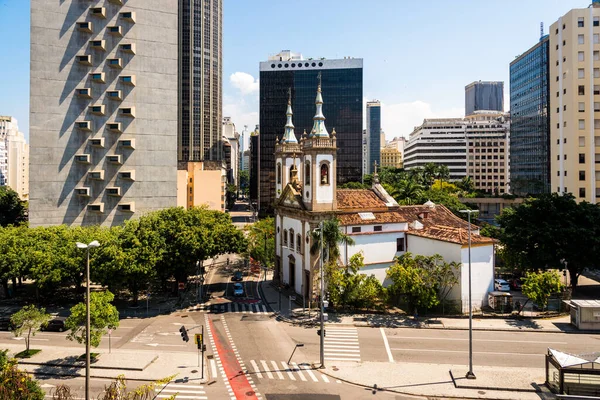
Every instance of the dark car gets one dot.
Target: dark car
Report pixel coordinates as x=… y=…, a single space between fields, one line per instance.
x=5 y=324
x=56 y=324
x=515 y=283
x=237 y=276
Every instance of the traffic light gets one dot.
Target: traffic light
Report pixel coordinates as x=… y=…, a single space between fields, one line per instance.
x=184 y=334
x=319 y=332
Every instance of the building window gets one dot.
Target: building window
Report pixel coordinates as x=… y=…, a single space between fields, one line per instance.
x=580 y=39
x=581 y=158
x=581 y=141
x=596 y=106
x=581 y=73
x=596 y=89
x=278 y=173
x=377 y=228
x=400 y=244
x=356 y=229
x=581 y=192
x=582 y=124
x=324 y=174
x=596 y=38
x=292 y=239
x=581 y=107
x=581 y=90
x=581 y=56
x=285 y=237
x=299 y=243
x=307 y=173
x=596 y=72
x=580 y=22
x=582 y=175
x=596 y=55
x=596 y=21
x=597 y=124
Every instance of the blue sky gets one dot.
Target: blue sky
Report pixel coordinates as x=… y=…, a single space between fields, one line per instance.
x=418 y=55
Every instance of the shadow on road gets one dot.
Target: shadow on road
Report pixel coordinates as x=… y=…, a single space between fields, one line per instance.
x=60 y=367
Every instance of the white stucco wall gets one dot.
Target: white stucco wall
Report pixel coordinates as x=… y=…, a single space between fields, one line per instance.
x=482 y=275
x=324 y=192
x=307 y=186
x=286 y=251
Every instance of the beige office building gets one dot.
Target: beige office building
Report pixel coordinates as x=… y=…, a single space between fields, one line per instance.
x=14 y=157
x=391 y=158
x=103 y=110
x=575 y=103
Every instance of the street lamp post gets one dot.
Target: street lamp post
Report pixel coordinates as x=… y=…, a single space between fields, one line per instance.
x=322 y=341
x=470 y=374
x=87 y=311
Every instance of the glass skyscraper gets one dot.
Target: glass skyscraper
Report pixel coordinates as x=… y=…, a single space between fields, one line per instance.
x=488 y=96
x=342 y=89
x=373 y=134
x=530 y=121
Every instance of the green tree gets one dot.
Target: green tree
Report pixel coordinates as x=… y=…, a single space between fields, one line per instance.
x=332 y=238
x=352 y=185
x=102 y=315
x=450 y=200
x=412 y=283
x=13 y=211
x=466 y=185
x=552 y=232
x=443 y=174
x=407 y=191
x=13 y=255
x=539 y=286
x=244 y=182
x=261 y=241
x=230 y=196
x=18 y=385
x=430 y=171
x=28 y=320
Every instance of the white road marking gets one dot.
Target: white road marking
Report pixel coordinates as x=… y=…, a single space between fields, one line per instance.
x=387 y=346
x=309 y=372
x=475 y=352
x=256 y=369
x=297 y=369
x=288 y=370
x=475 y=340
x=324 y=377
x=342 y=359
x=213 y=369
x=269 y=374
x=276 y=370
x=337 y=346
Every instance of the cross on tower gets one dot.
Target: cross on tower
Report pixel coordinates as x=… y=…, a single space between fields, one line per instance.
x=375 y=165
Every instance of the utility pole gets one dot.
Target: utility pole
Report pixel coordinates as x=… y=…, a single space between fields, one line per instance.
x=470 y=374
x=322 y=300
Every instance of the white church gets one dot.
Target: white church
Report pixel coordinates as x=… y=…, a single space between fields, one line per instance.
x=306 y=194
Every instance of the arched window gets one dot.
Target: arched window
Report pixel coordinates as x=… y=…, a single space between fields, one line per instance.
x=307 y=173
x=299 y=243
x=292 y=239
x=285 y=237
x=324 y=174
x=278 y=173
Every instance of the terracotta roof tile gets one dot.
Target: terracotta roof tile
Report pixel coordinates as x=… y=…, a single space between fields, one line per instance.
x=359 y=200
x=451 y=234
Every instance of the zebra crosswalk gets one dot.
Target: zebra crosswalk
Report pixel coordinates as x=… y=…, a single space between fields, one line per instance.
x=281 y=370
x=341 y=344
x=242 y=308
x=182 y=391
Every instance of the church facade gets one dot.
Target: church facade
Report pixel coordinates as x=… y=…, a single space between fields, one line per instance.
x=306 y=195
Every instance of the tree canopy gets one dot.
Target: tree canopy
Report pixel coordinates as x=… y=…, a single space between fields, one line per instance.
x=28 y=320
x=552 y=232
x=103 y=315
x=13 y=211
x=261 y=241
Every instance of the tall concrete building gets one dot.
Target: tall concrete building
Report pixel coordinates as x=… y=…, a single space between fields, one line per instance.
x=103 y=110
x=289 y=74
x=200 y=80
x=373 y=135
x=575 y=103
x=530 y=120
x=232 y=137
x=14 y=157
x=482 y=95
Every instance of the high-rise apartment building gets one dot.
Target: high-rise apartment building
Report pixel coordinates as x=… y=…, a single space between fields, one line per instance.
x=373 y=135
x=200 y=80
x=289 y=74
x=103 y=110
x=482 y=95
x=14 y=157
x=232 y=137
x=530 y=121
x=575 y=103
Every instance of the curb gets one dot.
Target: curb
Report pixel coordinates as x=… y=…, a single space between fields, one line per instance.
x=424 y=396
x=518 y=390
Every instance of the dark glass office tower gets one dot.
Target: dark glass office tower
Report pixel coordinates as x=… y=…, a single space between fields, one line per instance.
x=200 y=80
x=342 y=89
x=481 y=95
x=374 y=134
x=530 y=121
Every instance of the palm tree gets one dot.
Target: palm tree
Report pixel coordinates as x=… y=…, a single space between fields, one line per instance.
x=430 y=170
x=407 y=191
x=443 y=172
x=332 y=237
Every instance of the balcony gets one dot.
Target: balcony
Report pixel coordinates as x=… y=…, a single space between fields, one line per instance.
x=127 y=175
x=128 y=16
x=98 y=45
x=127 y=143
x=82 y=191
x=113 y=191
x=97 y=142
x=98 y=12
x=115 y=63
x=96 y=208
x=114 y=95
x=97 y=110
x=84 y=93
x=114 y=159
x=127 y=48
x=84 y=125
x=115 y=31
x=127 y=207
x=84 y=59
x=127 y=112
x=98 y=77
x=128 y=80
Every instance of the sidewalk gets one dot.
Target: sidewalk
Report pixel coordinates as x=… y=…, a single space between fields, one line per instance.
x=135 y=365
x=271 y=297
x=444 y=380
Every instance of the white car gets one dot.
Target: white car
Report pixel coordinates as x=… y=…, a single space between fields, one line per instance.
x=501 y=285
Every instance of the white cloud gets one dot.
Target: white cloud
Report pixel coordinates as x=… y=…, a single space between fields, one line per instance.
x=400 y=119
x=244 y=82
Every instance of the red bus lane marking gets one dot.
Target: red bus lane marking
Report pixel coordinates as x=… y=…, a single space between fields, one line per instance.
x=238 y=380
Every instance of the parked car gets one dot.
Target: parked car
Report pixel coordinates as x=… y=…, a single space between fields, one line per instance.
x=501 y=285
x=237 y=276
x=5 y=324
x=56 y=324
x=515 y=283
x=238 y=290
